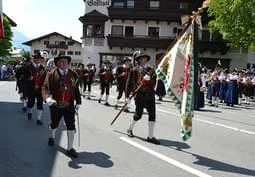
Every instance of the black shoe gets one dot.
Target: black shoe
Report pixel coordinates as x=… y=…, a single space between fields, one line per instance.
x=72 y=153
x=130 y=133
x=39 y=122
x=29 y=116
x=116 y=106
x=24 y=109
x=126 y=110
x=99 y=101
x=160 y=99
x=153 y=140
x=51 y=142
x=88 y=98
x=107 y=104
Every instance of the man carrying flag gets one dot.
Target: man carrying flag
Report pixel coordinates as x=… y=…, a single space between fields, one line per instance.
x=145 y=97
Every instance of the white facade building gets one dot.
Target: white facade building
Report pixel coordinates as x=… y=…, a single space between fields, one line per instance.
x=55 y=44
x=113 y=29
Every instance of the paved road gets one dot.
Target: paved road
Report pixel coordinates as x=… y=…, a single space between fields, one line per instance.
x=222 y=145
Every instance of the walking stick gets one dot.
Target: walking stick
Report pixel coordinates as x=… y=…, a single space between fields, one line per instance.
x=78 y=126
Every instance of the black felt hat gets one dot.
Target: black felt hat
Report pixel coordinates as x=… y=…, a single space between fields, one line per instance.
x=62 y=57
x=38 y=56
x=139 y=54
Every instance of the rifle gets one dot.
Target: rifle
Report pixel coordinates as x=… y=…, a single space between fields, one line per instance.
x=125 y=105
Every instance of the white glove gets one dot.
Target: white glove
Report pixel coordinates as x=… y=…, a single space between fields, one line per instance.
x=128 y=100
x=50 y=101
x=147 y=77
x=77 y=107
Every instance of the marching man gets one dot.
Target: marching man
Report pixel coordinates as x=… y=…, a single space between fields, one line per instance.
x=121 y=76
x=145 y=97
x=34 y=77
x=61 y=92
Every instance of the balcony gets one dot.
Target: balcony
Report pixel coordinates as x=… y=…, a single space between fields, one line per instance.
x=56 y=46
x=139 y=42
x=162 y=43
x=146 y=14
x=213 y=47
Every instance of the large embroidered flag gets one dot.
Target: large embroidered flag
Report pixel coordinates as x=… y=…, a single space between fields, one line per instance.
x=176 y=70
x=1 y=21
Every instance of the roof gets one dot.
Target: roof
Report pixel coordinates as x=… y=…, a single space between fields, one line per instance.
x=13 y=24
x=29 y=43
x=93 y=16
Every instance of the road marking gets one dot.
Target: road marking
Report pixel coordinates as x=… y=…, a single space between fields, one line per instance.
x=212 y=123
x=205 y=121
x=165 y=158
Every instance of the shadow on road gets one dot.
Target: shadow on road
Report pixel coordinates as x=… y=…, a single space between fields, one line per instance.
x=99 y=159
x=23 y=144
x=220 y=166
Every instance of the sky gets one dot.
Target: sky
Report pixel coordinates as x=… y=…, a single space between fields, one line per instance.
x=35 y=18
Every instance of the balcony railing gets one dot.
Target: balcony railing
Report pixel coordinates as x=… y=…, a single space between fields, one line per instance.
x=146 y=14
x=56 y=46
x=214 y=46
x=161 y=43
x=139 y=42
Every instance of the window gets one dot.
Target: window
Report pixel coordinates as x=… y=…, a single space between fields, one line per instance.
x=70 y=43
x=62 y=43
x=89 y=30
x=94 y=30
x=98 y=30
x=117 y=30
x=205 y=35
x=36 y=51
x=253 y=65
x=129 y=31
x=62 y=52
x=77 y=52
x=130 y=3
x=57 y=42
x=248 y=66
x=69 y=52
x=118 y=4
x=46 y=42
x=184 y=5
x=153 y=32
x=154 y=4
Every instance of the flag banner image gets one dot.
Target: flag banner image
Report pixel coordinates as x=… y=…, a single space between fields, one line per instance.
x=176 y=70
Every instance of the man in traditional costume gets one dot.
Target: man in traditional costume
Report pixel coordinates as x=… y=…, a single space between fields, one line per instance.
x=35 y=74
x=61 y=92
x=121 y=77
x=145 y=97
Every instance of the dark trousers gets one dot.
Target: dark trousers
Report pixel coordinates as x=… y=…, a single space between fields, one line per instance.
x=142 y=100
x=121 y=87
x=35 y=94
x=105 y=87
x=87 y=83
x=216 y=88
x=68 y=113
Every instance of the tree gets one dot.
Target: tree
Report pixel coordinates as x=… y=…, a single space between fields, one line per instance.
x=5 y=43
x=235 y=20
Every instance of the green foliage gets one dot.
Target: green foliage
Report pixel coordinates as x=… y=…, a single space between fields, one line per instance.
x=5 y=43
x=11 y=61
x=234 y=20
